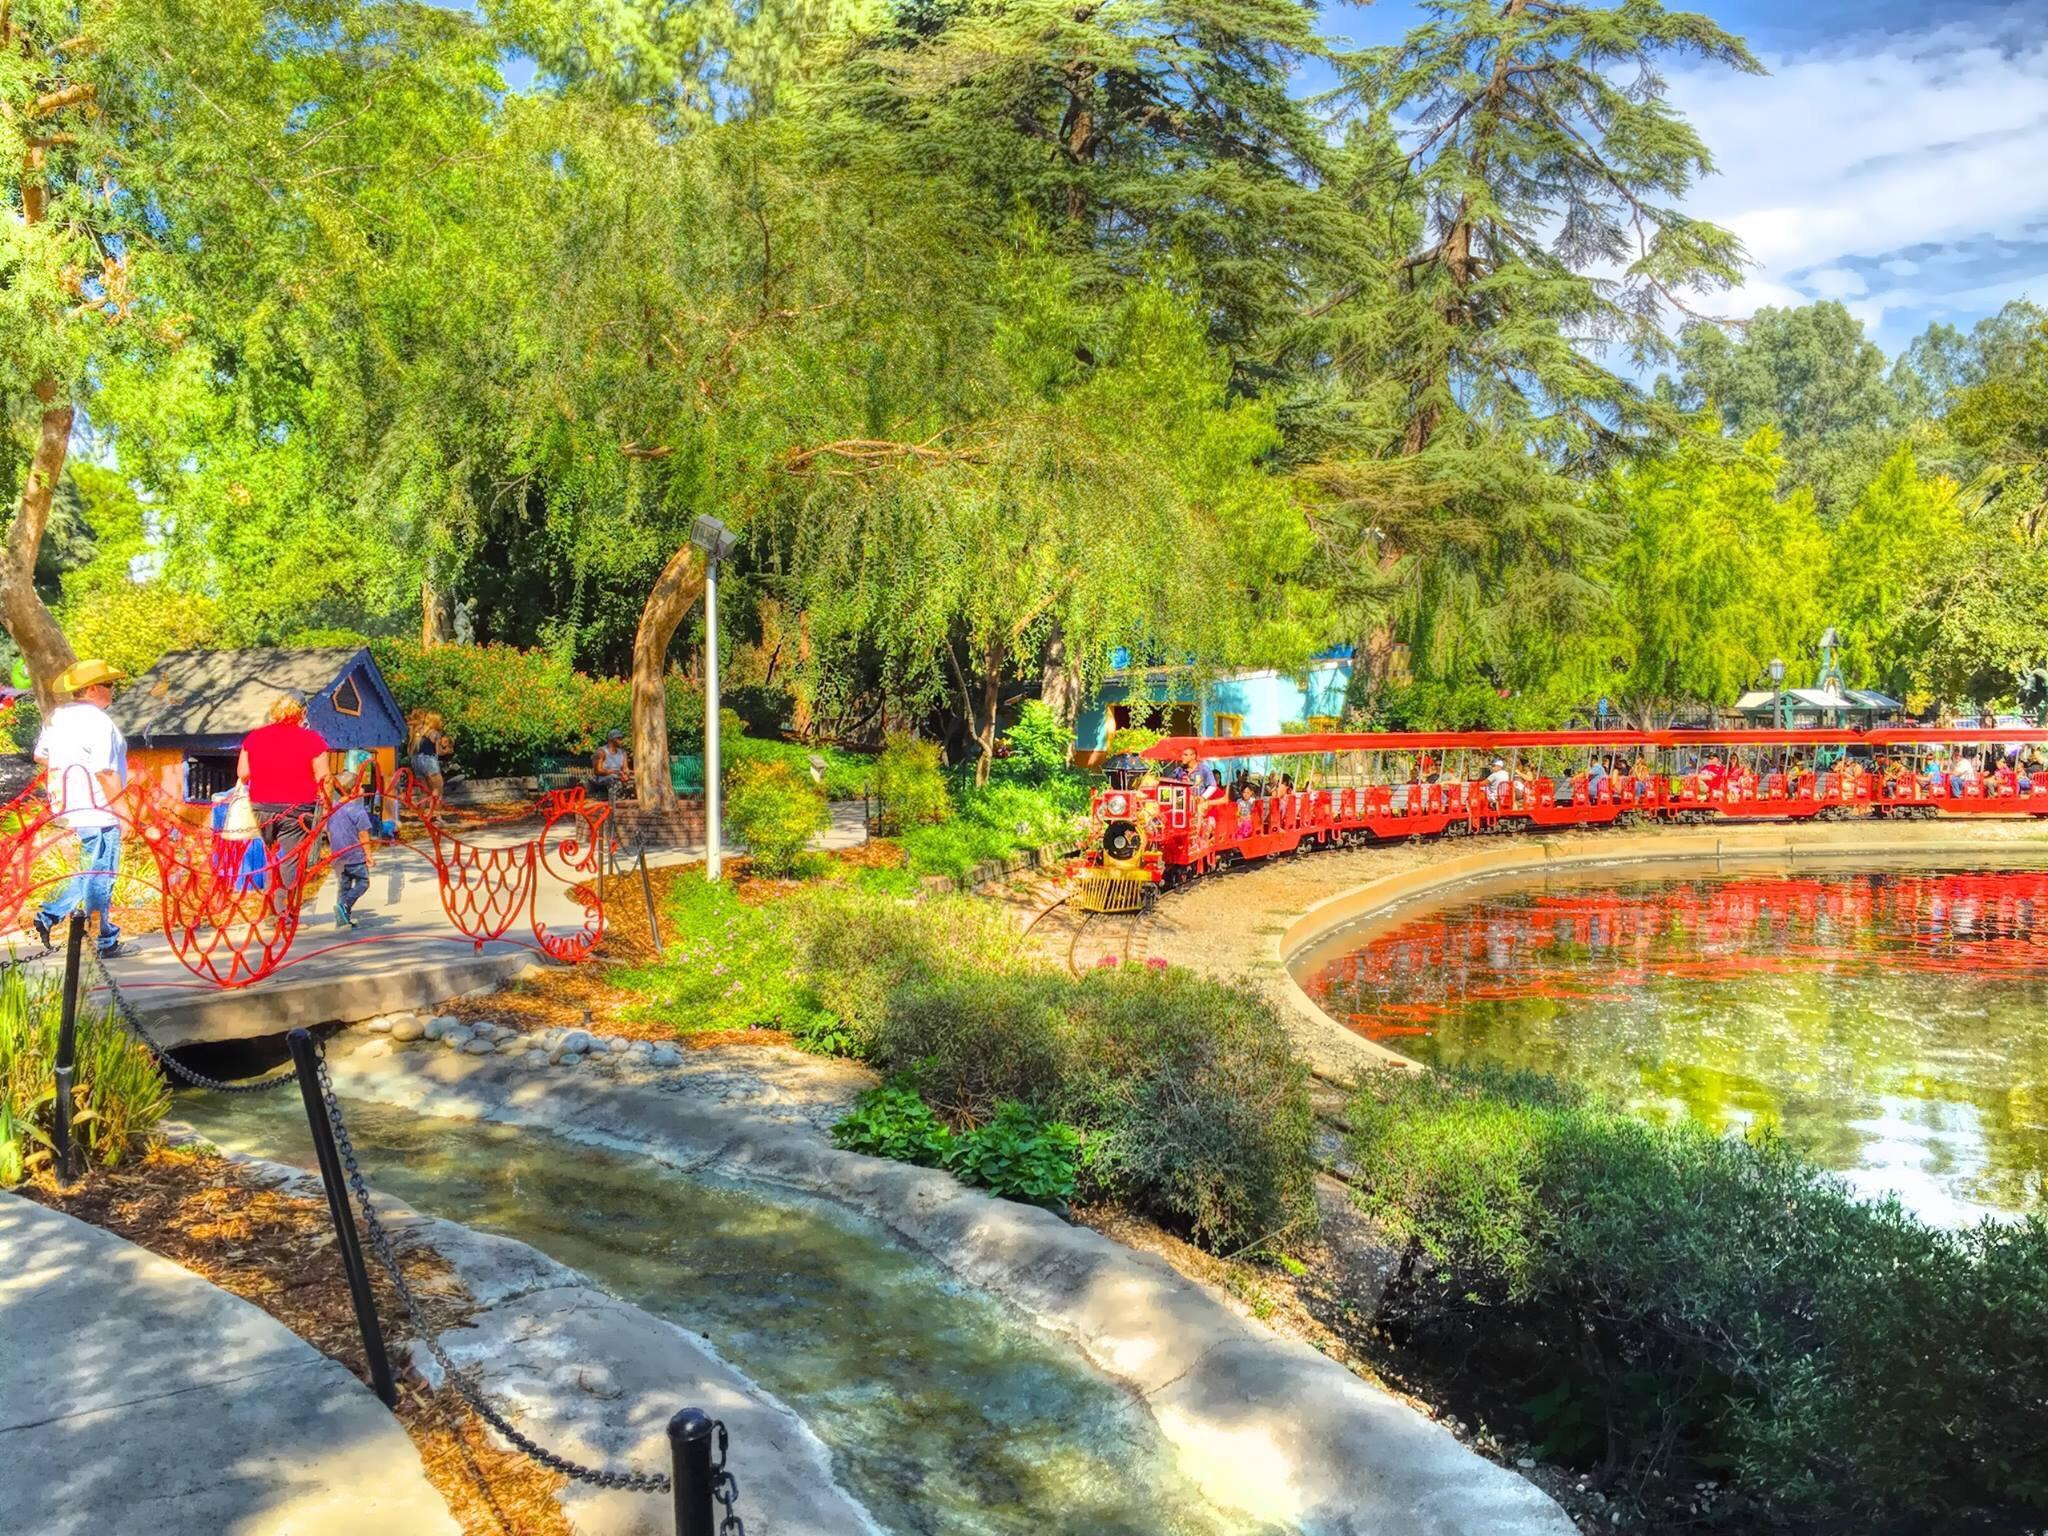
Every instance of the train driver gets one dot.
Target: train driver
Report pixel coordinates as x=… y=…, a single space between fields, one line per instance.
x=1204 y=780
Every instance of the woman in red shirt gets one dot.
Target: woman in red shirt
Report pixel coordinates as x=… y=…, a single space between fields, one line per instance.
x=284 y=768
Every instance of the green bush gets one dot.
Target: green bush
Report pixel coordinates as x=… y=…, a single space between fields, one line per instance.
x=504 y=707
x=24 y=723
x=1016 y=1154
x=118 y=1095
x=1019 y=1155
x=1039 y=745
x=911 y=785
x=1731 y=1311
x=1193 y=1109
x=775 y=812
x=997 y=820
x=856 y=948
x=846 y=774
x=893 y=1122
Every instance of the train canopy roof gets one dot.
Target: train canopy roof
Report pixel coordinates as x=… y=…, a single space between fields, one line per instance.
x=1169 y=748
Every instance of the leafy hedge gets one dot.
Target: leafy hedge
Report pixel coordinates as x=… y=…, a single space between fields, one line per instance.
x=1694 y=1306
x=1191 y=1106
x=506 y=707
x=1016 y=1153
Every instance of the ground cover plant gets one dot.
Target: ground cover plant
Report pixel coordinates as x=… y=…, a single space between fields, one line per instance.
x=1016 y=1153
x=118 y=1093
x=775 y=811
x=1666 y=1305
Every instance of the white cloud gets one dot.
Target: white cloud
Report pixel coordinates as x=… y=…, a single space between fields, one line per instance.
x=1897 y=172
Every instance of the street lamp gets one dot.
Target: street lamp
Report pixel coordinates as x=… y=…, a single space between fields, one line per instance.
x=711 y=536
x=1778 y=683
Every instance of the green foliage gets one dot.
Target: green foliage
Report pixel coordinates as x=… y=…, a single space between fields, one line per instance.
x=1039 y=745
x=1014 y=1154
x=996 y=821
x=1132 y=739
x=893 y=1122
x=1734 y=1313
x=776 y=812
x=24 y=723
x=911 y=785
x=1192 y=1108
x=118 y=1094
x=726 y=965
x=1019 y=1155
x=131 y=626
x=504 y=707
x=846 y=774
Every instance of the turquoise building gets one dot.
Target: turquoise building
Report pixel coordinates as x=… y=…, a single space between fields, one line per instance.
x=1250 y=702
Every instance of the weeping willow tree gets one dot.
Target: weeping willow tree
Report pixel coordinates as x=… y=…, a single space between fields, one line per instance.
x=1095 y=477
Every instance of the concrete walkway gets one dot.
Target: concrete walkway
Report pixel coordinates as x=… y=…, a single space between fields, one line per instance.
x=406 y=955
x=134 y=1396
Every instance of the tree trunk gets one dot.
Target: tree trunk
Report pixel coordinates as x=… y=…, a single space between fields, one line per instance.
x=991 y=701
x=437 y=615
x=35 y=633
x=675 y=592
x=1059 y=683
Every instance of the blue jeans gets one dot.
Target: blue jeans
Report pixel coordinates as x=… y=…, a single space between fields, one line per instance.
x=354 y=880
x=93 y=886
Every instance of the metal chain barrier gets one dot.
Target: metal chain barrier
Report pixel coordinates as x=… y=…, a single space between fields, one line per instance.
x=725 y=1488
x=164 y=1059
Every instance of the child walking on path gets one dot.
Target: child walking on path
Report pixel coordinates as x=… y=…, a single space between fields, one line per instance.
x=348 y=829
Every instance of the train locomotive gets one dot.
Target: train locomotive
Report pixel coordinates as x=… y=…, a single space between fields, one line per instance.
x=1152 y=827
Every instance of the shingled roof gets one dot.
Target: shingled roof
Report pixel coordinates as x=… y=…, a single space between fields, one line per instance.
x=210 y=698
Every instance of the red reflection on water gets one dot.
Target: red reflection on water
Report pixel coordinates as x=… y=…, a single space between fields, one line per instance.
x=1592 y=943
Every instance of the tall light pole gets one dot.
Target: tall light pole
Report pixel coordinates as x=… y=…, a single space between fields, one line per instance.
x=710 y=535
x=1778 y=711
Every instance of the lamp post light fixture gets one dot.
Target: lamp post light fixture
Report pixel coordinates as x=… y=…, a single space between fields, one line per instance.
x=711 y=536
x=1779 y=713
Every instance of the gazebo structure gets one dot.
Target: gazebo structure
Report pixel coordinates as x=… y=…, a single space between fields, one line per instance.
x=185 y=717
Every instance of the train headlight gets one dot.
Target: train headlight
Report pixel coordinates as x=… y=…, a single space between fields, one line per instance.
x=1117 y=805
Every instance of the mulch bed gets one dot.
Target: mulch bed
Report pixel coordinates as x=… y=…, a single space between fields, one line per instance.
x=276 y=1250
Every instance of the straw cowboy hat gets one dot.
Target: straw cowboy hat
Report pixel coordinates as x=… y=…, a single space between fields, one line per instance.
x=81 y=675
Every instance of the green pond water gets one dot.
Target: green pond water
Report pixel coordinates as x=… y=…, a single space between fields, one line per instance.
x=943 y=1412
x=1891 y=1023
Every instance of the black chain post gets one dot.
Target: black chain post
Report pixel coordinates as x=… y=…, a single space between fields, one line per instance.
x=307 y=1061
x=689 y=1447
x=67 y=1045
x=647 y=895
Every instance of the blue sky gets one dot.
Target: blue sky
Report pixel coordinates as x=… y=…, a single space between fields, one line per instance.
x=1895 y=158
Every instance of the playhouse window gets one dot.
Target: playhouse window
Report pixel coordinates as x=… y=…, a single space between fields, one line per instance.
x=1230 y=725
x=347 y=699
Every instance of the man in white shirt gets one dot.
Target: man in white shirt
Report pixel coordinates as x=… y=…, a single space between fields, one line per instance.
x=85 y=762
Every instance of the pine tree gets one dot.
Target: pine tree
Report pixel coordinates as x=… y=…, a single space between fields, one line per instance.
x=1526 y=170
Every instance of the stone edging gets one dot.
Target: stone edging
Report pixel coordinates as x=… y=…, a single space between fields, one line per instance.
x=1261 y=1424
x=1404 y=887
x=993 y=870
x=594 y=1378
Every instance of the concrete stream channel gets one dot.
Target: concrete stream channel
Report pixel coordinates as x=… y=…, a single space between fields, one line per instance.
x=942 y=1361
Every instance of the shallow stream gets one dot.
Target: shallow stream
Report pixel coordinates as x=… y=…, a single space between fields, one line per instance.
x=943 y=1412
x=1891 y=1022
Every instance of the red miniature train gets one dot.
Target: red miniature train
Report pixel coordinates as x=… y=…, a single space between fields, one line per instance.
x=1150 y=829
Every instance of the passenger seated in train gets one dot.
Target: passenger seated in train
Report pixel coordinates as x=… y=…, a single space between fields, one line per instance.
x=1596 y=778
x=1247 y=803
x=1497 y=781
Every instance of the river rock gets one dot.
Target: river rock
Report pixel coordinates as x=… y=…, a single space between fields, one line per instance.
x=620 y=1045
x=577 y=1040
x=448 y=1021
x=455 y=1039
x=570 y=1059
x=553 y=1036
x=436 y=1027
x=642 y=1047
x=408 y=1026
x=667 y=1056
x=380 y=1025
x=480 y=1047
x=532 y=1061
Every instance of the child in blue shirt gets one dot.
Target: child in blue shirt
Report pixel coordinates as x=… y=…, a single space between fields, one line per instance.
x=348 y=830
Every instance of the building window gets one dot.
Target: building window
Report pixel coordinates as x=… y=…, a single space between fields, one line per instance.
x=1230 y=725
x=347 y=699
